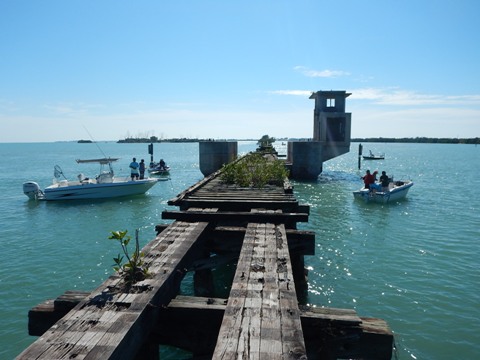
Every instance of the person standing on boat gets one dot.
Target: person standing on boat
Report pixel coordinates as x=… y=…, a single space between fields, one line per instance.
x=162 y=164
x=368 y=179
x=134 y=173
x=384 y=181
x=141 y=168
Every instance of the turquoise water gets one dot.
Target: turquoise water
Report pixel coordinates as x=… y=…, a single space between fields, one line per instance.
x=413 y=263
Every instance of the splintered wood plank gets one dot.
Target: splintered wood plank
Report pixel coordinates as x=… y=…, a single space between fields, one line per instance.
x=262 y=319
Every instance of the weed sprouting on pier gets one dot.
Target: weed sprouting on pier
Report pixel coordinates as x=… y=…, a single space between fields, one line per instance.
x=134 y=269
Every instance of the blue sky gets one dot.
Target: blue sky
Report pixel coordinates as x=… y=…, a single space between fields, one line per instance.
x=236 y=69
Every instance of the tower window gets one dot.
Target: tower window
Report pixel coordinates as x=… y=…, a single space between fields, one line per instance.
x=330 y=102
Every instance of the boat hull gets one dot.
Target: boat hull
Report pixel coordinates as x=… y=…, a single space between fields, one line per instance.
x=398 y=192
x=96 y=191
x=159 y=172
x=374 y=158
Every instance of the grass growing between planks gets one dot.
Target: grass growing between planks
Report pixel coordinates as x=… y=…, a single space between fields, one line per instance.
x=255 y=171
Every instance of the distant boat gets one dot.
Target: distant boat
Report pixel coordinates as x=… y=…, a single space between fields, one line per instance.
x=372 y=156
x=397 y=190
x=105 y=185
x=160 y=169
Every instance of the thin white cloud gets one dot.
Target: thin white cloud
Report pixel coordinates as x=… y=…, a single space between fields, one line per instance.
x=320 y=73
x=412 y=98
x=397 y=97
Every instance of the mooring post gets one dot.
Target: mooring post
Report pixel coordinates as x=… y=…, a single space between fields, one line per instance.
x=360 y=148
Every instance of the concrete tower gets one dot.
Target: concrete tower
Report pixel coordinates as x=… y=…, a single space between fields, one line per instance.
x=331 y=136
x=331 y=124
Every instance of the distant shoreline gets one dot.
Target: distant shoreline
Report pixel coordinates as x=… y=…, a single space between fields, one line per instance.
x=418 y=140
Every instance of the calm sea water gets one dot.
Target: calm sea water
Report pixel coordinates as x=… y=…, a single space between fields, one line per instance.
x=413 y=263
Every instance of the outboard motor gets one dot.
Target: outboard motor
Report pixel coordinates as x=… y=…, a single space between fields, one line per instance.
x=32 y=190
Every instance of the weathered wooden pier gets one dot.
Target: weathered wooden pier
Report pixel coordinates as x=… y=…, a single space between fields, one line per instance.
x=216 y=223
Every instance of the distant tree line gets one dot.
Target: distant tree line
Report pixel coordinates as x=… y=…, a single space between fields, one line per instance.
x=268 y=140
x=154 y=139
x=420 y=140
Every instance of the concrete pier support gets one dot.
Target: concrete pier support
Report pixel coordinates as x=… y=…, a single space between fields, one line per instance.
x=214 y=154
x=306 y=159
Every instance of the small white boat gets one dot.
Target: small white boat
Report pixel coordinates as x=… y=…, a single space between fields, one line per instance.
x=397 y=190
x=105 y=185
x=372 y=156
x=159 y=169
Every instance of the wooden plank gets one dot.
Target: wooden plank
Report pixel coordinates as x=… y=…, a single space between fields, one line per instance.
x=251 y=194
x=328 y=314
x=262 y=310
x=233 y=313
x=242 y=204
x=178 y=199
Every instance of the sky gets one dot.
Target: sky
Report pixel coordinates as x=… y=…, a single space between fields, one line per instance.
x=111 y=69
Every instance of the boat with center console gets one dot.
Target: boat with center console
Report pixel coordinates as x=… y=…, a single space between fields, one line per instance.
x=397 y=190
x=103 y=186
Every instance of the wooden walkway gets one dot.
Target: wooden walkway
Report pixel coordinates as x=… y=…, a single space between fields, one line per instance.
x=261 y=319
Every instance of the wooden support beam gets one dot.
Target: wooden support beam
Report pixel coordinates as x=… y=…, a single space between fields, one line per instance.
x=44 y=315
x=230 y=238
x=192 y=323
x=299 y=241
x=253 y=217
x=240 y=204
x=329 y=333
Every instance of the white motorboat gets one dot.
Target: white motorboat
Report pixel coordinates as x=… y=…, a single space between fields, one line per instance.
x=397 y=190
x=372 y=156
x=105 y=185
